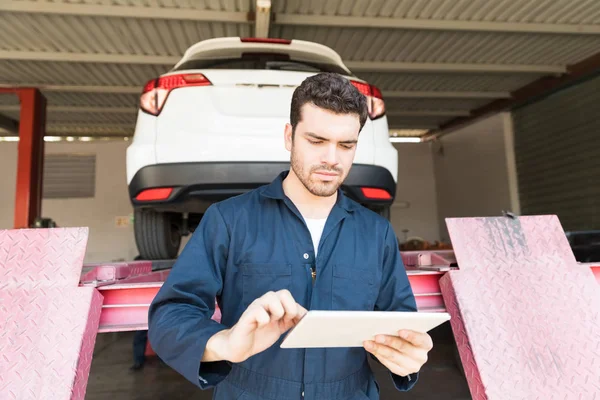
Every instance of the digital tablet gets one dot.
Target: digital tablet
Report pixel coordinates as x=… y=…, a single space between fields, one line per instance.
x=352 y=328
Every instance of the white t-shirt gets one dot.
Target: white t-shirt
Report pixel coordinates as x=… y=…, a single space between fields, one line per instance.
x=315 y=226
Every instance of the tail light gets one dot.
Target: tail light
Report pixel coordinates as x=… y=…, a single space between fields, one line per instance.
x=376 y=193
x=375 y=103
x=154 y=194
x=156 y=91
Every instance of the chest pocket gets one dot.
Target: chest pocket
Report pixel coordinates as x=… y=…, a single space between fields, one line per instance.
x=258 y=279
x=353 y=288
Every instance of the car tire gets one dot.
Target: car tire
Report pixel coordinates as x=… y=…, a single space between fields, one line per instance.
x=157 y=235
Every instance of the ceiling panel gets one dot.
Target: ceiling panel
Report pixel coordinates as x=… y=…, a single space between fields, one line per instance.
x=91 y=118
x=62 y=73
x=416 y=122
x=91 y=130
x=88 y=118
x=368 y=44
x=448 y=82
x=213 y=5
x=92 y=99
x=527 y=11
x=433 y=104
x=109 y=35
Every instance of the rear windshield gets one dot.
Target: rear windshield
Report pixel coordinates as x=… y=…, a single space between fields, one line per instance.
x=270 y=61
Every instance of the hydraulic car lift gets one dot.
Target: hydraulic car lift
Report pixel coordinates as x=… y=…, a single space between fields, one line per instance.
x=129 y=287
x=51 y=312
x=524 y=312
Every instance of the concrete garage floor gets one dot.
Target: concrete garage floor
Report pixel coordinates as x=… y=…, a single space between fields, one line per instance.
x=110 y=377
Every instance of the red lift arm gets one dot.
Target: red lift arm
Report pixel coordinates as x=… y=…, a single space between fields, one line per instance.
x=30 y=165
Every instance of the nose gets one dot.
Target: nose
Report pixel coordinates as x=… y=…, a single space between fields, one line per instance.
x=330 y=155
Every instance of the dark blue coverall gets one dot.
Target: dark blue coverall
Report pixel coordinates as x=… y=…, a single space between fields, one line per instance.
x=258 y=242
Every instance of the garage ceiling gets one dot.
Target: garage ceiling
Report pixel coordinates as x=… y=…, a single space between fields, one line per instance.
x=434 y=60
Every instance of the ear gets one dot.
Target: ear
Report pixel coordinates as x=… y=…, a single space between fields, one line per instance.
x=288 y=137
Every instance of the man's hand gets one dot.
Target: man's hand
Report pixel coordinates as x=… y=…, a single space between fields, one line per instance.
x=404 y=354
x=259 y=327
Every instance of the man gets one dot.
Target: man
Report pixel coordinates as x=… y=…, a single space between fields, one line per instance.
x=271 y=254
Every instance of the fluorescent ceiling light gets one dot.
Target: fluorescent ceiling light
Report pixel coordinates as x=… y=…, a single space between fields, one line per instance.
x=69 y=138
x=400 y=139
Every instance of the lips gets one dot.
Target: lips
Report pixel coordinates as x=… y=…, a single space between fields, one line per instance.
x=326 y=173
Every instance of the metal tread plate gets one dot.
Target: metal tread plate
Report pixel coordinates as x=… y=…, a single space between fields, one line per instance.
x=525 y=315
x=48 y=324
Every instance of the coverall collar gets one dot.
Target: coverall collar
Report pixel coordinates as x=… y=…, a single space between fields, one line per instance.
x=275 y=191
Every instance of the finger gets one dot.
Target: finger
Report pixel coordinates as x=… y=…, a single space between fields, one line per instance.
x=395 y=368
x=398 y=363
x=301 y=311
x=395 y=342
x=403 y=346
x=258 y=313
x=272 y=304
x=410 y=360
x=383 y=351
x=261 y=317
x=289 y=305
x=418 y=339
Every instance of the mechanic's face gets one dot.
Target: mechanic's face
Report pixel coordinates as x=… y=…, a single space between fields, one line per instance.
x=323 y=148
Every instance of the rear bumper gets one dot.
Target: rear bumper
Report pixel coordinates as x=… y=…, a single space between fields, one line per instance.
x=207 y=182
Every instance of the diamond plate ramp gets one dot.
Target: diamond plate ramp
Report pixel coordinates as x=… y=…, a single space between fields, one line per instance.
x=525 y=315
x=48 y=324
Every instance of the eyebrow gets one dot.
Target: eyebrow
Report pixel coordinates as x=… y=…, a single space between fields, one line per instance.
x=315 y=136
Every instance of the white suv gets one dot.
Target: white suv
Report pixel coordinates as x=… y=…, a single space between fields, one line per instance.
x=212 y=128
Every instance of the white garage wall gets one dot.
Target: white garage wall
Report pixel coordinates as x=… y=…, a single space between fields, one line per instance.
x=107 y=242
x=416 y=189
x=471 y=171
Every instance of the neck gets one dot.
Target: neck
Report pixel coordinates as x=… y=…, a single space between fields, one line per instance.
x=309 y=205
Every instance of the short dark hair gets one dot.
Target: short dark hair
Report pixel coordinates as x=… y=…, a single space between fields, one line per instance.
x=331 y=92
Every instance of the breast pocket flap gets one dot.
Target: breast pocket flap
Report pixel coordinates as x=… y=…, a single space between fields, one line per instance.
x=266 y=269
